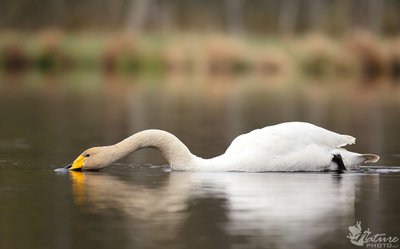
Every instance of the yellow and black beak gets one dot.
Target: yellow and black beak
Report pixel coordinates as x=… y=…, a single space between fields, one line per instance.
x=77 y=164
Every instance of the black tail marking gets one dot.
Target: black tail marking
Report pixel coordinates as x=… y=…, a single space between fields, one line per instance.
x=337 y=158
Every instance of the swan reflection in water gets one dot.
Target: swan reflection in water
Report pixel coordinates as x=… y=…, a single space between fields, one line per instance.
x=245 y=209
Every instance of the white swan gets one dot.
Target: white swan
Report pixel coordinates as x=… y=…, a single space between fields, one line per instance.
x=292 y=146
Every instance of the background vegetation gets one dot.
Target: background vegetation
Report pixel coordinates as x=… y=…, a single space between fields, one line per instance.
x=234 y=16
x=352 y=38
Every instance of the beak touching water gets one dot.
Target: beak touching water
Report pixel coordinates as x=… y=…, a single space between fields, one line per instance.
x=77 y=164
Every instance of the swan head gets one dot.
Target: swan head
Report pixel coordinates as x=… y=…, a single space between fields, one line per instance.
x=92 y=159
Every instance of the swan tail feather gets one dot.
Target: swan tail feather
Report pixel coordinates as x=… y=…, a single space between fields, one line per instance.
x=348 y=140
x=370 y=158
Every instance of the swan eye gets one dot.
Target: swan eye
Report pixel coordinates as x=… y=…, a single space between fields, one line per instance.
x=87 y=155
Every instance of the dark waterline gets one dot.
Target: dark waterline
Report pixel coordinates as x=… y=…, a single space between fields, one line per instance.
x=137 y=203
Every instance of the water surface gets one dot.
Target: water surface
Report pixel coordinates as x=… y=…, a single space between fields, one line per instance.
x=137 y=203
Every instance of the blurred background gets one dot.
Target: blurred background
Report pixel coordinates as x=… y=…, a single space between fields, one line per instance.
x=76 y=74
x=215 y=67
x=357 y=38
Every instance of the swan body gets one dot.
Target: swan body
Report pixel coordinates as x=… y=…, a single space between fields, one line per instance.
x=292 y=146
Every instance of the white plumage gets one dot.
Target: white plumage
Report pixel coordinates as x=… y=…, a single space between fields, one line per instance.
x=287 y=147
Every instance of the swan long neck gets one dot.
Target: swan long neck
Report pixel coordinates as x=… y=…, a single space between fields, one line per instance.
x=175 y=152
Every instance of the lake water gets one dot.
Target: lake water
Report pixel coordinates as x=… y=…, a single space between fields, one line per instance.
x=45 y=122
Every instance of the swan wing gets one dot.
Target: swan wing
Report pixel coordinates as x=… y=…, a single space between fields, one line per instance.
x=286 y=138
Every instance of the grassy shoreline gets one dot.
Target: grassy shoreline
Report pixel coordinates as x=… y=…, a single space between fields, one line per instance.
x=360 y=55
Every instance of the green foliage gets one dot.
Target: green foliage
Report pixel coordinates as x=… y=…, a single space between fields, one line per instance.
x=360 y=55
